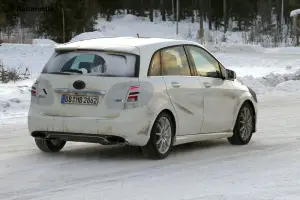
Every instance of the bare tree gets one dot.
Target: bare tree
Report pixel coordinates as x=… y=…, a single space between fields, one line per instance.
x=151 y=11
x=225 y=15
x=209 y=15
x=163 y=10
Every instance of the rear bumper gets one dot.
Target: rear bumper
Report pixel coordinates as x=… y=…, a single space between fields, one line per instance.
x=133 y=127
x=79 y=137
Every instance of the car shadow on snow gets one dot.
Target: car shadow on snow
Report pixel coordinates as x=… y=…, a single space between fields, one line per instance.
x=121 y=152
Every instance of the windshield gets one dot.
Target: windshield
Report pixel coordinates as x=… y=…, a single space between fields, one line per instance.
x=92 y=63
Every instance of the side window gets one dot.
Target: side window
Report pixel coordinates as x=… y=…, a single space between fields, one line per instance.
x=205 y=64
x=155 y=67
x=174 y=62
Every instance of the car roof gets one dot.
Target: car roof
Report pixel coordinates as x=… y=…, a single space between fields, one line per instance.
x=122 y=44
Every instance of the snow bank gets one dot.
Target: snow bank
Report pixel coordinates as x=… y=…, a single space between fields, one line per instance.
x=43 y=42
x=22 y=56
x=289 y=86
x=295 y=12
x=87 y=35
x=236 y=48
x=273 y=82
x=257 y=85
x=14 y=99
x=130 y=25
x=284 y=51
x=129 y=18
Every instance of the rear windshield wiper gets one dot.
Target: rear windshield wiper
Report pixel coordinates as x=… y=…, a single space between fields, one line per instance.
x=106 y=75
x=61 y=73
x=74 y=70
x=68 y=72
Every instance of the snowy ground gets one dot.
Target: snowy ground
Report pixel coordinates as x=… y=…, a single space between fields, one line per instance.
x=266 y=169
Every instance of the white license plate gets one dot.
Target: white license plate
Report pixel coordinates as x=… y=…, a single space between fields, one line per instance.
x=81 y=100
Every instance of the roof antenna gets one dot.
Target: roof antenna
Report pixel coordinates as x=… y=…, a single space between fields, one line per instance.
x=138 y=35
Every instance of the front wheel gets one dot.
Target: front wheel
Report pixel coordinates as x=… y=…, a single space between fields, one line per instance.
x=49 y=145
x=243 y=129
x=161 y=139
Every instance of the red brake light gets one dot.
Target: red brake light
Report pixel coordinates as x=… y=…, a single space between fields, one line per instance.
x=133 y=96
x=134 y=87
x=33 y=91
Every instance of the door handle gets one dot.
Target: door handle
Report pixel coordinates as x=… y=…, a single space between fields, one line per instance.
x=206 y=84
x=176 y=84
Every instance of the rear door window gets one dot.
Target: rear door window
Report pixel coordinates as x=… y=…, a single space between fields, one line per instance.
x=155 y=66
x=93 y=63
x=174 y=62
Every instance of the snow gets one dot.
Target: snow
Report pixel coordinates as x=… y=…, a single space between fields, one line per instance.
x=266 y=169
x=129 y=25
x=14 y=100
x=22 y=56
x=289 y=86
x=43 y=42
x=87 y=35
x=292 y=51
x=129 y=18
x=295 y=12
x=237 y=48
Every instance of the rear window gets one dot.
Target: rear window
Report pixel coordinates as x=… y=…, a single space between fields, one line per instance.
x=93 y=63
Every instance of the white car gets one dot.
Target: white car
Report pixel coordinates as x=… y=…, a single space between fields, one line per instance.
x=149 y=92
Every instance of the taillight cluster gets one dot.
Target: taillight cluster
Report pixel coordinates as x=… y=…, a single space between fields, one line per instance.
x=33 y=91
x=133 y=94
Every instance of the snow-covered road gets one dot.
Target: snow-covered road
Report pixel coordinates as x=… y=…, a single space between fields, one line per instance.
x=268 y=168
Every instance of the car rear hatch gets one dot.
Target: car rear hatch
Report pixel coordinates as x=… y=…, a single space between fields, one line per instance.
x=92 y=84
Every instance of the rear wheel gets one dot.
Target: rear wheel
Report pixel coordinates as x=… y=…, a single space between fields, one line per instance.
x=161 y=139
x=49 y=145
x=244 y=124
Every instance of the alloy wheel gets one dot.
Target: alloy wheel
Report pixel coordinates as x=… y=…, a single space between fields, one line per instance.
x=163 y=135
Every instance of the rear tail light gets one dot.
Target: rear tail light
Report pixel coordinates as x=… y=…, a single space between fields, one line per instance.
x=33 y=91
x=134 y=87
x=133 y=95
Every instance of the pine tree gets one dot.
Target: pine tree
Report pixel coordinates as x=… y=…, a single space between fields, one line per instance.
x=67 y=19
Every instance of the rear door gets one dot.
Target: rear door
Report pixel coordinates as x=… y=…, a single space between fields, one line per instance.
x=86 y=84
x=219 y=93
x=185 y=90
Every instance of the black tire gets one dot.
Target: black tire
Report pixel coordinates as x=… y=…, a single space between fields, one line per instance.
x=239 y=138
x=151 y=149
x=49 y=145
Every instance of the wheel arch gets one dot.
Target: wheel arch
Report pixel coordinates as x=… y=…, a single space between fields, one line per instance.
x=247 y=101
x=173 y=118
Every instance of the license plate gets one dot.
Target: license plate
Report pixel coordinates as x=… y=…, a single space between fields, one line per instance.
x=81 y=100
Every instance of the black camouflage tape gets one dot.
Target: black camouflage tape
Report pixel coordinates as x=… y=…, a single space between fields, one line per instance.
x=45 y=92
x=252 y=92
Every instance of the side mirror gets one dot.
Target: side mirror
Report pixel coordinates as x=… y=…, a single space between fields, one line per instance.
x=230 y=74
